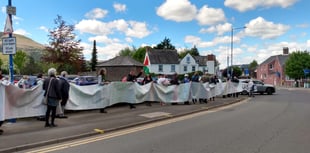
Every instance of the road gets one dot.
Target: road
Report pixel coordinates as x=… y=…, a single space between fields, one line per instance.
x=276 y=123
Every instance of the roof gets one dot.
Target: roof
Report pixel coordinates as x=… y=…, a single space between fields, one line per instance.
x=281 y=58
x=159 y=56
x=121 y=61
x=201 y=60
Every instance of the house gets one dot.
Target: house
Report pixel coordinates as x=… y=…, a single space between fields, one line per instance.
x=207 y=64
x=188 y=64
x=119 y=66
x=161 y=61
x=168 y=62
x=271 y=71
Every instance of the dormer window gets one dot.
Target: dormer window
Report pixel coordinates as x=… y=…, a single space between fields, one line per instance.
x=188 y=60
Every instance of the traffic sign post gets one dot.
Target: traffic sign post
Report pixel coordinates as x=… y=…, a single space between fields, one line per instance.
x=9 y=45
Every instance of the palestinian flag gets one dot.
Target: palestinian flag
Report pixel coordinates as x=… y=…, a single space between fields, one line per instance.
x=146 y=63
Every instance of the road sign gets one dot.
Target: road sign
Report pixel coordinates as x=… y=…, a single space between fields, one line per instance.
x=11 y=10
x=9 y=45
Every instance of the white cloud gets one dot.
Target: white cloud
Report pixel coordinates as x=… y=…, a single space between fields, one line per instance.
x=96 y=13
x=179 y=11
x=43 y=28
x=93 y=27
x=21 y=32
x=119 y=7
x=220 y=29
x=210 y=16
x=104 y=39
x=129 y=28
x=259 y=27
x=242 y=5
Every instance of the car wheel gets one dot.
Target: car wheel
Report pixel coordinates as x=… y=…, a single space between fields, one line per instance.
x=269 y=91
x=244 y=92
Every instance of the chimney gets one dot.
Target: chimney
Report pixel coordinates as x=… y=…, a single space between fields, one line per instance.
x=285 y=51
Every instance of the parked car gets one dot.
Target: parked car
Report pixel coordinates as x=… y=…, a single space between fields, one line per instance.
x=260 y=86
x=85 y=80
x=32 y=81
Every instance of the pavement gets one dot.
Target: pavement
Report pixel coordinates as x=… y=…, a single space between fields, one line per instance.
x=28 y=133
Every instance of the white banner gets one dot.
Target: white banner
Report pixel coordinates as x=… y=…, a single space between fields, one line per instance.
x=19 y=103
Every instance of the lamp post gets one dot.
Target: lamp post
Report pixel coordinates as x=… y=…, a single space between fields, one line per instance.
x=232 y=48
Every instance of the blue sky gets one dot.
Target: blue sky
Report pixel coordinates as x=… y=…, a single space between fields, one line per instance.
x=271 y=25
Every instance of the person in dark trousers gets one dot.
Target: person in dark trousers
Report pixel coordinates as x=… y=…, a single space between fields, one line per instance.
x=64 y=91
x=195 y=78
x=52 y=91
x=147 y=79
x=101 y=82
x=132 y=77
x=214 y=80
x=236 y=80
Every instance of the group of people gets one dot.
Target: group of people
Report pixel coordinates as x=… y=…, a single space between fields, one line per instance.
x=57 y=93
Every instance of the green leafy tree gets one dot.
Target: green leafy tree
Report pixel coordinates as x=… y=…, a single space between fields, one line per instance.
x=193 y=52
x=1 y=63
x=126 y=52
x=31 y=67
x=236 y=71
x=252 y=66
x=165 y=44
x=296 y=63
x=63 y=49
x=20 y=58
x=94 y=57
x=139 y=54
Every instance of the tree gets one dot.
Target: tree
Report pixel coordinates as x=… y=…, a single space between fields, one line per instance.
x=31 y=67
x=1 y=62
x=252 y=66
x=165 y=44
x=193 y=52
x=93 y=63
x=296 y=63
x=139 y=54
x=20 y=59
x=125 y=52
x=237 y=72
x=63 y=50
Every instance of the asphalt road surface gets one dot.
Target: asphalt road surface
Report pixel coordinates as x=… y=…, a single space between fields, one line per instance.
x=278 y=123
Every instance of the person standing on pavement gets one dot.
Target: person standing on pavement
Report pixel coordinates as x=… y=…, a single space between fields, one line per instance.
x=64 y=91
x=251 y=87
x=195 y=78
x=101 y=81
x=132 y=77
x=52 y=91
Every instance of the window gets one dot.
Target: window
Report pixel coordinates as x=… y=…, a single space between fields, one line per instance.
x=172 y=68
x=193 y=68
x=185 y=69
x=270 y=66
x=160 y=68
x=188 y=60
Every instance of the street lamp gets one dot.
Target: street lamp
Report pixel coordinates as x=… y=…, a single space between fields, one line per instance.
x=232 y=48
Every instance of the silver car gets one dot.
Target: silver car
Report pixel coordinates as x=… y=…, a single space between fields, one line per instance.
x=260 y=87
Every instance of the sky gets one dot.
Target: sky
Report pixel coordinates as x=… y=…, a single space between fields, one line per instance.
x=261 y=28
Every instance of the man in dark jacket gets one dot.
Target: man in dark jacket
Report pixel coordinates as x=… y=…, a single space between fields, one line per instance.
x=64 y=91
x=52 y=92
x=132 y=77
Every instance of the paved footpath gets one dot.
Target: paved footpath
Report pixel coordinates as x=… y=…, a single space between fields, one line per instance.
x=29 y=132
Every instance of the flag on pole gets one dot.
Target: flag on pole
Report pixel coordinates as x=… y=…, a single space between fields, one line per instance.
x=146 y=63
x=8 y=26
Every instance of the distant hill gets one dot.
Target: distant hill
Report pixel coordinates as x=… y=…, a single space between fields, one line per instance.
x=24 y=43
x=32 y=48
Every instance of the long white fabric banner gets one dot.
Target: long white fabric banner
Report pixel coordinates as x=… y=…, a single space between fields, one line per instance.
x=20 y=103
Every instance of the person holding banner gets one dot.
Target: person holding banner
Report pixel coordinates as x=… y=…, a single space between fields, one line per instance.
x=52 y=92
x=132 y=77
x=64 y=88
x=101 y=82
